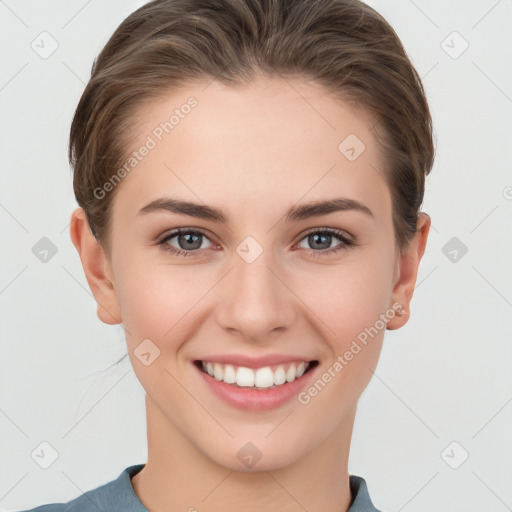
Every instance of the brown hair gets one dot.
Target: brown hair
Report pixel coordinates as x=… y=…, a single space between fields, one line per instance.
x=343 y=45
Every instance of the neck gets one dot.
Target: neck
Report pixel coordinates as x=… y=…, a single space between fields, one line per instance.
x=178 y=473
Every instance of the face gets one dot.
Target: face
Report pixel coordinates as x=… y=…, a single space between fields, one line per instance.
x=259 y=287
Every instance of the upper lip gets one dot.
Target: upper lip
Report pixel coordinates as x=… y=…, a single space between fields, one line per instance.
x=255 y=362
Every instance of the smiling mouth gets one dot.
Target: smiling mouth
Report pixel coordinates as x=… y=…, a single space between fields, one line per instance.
x=267 y=377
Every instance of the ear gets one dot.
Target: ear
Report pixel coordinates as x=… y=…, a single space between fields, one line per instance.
x=407 y=271
x=97 y=268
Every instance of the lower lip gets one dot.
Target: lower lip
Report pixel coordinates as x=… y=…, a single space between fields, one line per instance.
x=254 y=399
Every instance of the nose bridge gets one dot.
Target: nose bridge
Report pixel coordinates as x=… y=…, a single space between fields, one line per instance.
x=253 y=275
x=256 y=301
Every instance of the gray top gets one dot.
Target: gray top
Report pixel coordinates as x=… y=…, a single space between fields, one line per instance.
x=119 y=496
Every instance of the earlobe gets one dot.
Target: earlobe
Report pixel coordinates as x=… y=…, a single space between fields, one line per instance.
x=95 y=263
x=408 y=264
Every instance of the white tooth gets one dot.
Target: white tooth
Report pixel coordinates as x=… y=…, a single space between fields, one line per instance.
x=290 y=373
x=244 y=376
x=301 y=369
x=261 y=378
x=217 y=371
x=279 y=376
x=264 y=378
x=229 y=374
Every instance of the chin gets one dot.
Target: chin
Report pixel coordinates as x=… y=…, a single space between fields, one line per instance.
x=253 y=454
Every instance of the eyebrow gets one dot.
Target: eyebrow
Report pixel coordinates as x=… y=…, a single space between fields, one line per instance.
x=294 y=214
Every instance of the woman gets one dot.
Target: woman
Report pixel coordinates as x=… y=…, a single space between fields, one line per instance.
x=250 y=175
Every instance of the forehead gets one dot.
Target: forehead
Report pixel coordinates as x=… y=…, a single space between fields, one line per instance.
x=270 y=142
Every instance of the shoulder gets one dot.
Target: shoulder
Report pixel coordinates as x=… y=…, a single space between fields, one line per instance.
x=361 y=501
x=111 y=496
x=50 y=507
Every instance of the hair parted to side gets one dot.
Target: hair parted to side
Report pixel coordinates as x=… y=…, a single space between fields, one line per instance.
x=344 y=45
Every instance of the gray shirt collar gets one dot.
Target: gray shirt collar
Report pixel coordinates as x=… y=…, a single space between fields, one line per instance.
x=119 y=496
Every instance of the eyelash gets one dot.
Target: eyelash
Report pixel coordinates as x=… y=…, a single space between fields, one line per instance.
x=346 y=243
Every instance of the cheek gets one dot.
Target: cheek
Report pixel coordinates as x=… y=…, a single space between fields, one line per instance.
x=350 y=310
x=157 y=305
x=149 y=298
x=349 y=297
x=160 y=301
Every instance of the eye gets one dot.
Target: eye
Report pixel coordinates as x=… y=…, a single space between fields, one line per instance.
x=187 y=240
x=322 y=239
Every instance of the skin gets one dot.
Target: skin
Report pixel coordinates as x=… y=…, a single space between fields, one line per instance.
x=269 y=146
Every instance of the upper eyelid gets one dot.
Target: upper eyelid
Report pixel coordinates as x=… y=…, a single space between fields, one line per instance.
x=178 y=231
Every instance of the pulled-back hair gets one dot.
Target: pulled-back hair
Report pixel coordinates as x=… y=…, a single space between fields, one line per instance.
x=344 y=45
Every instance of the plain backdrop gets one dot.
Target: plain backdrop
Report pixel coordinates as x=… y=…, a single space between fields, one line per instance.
x=433 y=430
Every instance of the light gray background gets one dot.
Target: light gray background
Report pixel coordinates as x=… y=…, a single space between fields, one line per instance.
x=446 y=376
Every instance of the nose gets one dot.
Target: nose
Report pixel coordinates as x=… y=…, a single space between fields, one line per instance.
x=255 y=299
